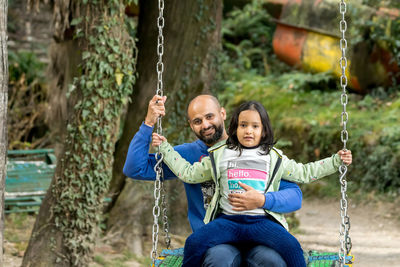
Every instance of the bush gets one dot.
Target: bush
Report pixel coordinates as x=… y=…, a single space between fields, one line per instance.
x=307 y=124
x=247 y=37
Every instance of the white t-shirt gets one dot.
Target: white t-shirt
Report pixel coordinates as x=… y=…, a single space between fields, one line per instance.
x=251 y=168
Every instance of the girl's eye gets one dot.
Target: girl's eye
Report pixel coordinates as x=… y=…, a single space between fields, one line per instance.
x=256 y=126
x=242 y=125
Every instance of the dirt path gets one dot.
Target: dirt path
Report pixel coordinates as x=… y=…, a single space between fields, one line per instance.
x=375 y=234
x=375 y=231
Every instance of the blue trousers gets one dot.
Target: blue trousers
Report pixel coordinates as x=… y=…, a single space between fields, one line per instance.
x=226 y=255
x=246 y=231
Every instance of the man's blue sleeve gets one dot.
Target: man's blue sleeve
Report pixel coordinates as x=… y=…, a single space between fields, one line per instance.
x=139 y=164
x=287 y=199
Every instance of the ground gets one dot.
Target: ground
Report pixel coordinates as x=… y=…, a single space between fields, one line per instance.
x=375 y=235
x=375 y=230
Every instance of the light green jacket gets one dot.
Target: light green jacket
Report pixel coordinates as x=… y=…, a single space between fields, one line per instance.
x=202 y=171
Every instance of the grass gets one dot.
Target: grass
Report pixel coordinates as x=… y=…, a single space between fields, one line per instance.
x=17 y=231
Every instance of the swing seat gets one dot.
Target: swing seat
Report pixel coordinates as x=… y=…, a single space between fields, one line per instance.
x=170 y=258
x=174 y=258
x=325 y=259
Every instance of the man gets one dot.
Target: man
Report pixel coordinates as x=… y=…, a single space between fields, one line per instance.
x=206 y=119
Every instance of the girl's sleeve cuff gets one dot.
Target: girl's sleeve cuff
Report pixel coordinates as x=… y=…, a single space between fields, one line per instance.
x=336 y=161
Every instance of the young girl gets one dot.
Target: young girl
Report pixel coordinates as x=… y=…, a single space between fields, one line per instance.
x=246 y=157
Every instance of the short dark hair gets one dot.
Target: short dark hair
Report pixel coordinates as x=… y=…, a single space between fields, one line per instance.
x=267 y=138
x=213 y=98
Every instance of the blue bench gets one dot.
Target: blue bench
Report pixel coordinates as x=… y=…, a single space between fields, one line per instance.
x=29 y=174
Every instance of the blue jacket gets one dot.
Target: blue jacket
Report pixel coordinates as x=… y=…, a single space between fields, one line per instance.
x=139 y=165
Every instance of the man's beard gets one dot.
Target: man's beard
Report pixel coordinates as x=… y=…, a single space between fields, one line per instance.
x=210 y=140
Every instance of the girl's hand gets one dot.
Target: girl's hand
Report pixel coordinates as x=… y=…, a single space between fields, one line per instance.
x=345 y=156
x=157 y=140
x=248 y=200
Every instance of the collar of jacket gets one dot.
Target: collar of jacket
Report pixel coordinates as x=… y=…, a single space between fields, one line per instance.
x=217 y=146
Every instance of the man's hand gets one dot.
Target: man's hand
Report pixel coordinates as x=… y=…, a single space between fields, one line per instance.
x=156 y=109
x=249 y=200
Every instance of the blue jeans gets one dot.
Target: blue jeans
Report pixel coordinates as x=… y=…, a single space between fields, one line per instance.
x=226 y=255
x=243 y=230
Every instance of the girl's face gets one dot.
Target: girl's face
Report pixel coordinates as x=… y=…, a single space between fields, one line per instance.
x=249 y=131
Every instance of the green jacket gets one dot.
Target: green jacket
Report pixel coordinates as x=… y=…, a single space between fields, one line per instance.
x=203 y=171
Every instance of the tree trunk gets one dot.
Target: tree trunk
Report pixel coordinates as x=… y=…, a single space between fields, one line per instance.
x=3 y=114
x=61 y=72
x=192 y=41
x=67 y=224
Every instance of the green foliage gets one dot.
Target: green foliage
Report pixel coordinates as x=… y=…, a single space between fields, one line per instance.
x=27 y=101
x=25 y=64
x=381 y=30
x=306 y=112
x=386 y=34
x=108 y=75
x=381 y=163
x=382 y=3
x=247 y=37
x=307 y=124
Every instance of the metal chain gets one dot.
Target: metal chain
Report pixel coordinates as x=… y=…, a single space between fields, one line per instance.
x=165 y=217
x=156 y=207
x=345 y=241
x=160 y=91
x=158 y=183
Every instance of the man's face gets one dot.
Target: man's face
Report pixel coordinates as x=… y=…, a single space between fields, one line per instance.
x=206 y=120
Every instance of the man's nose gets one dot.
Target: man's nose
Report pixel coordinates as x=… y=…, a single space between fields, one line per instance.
x=206 y=124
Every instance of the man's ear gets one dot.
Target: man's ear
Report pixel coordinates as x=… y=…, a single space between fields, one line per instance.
x=223 y=113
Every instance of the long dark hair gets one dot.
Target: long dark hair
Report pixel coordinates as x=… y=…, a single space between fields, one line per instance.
x=267 y=138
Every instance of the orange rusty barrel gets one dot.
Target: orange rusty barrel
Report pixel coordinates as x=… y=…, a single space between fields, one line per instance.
x=307 y=37
x=310 y=51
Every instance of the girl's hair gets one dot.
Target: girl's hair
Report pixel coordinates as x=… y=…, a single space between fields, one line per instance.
x=267 y=138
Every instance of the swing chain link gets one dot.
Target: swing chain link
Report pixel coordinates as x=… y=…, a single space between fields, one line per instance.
x=159 y=190
x=345 y=240
x=165 y=217
x=156 y=207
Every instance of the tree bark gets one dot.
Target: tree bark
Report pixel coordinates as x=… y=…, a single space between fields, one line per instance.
x=192 y=40
x=3 y=113
x=61 y=72
x=66 y=227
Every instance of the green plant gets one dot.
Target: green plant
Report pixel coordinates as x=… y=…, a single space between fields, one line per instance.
x=99 y=260
x=27 y=102
x=25 y=64
x=247 y=37
x=380 y=30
